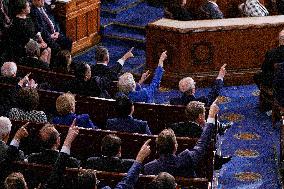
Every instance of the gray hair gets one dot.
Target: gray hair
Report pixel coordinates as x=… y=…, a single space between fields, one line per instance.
x=186 y=84
x=9 y=69
x=126 y=83
x=5 y=126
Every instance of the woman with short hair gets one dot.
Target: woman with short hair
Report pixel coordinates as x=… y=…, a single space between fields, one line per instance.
x=28 y=101
x=65 y=106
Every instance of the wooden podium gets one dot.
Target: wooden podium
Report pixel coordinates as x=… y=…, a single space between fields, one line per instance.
x=199 y=48
x=80 y=20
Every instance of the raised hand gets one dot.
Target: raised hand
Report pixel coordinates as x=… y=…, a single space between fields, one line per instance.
x=22 y=132
x=222 y=72
x=162 y=58
x=214 y=109
x=144 y=151
x=144 y=76
x=127 y=55
x=72 y=134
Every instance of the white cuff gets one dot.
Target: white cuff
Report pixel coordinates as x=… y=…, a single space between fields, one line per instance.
x=222 y=78
x=121 y=62
x=65 y=150
x=15 y=143
x=211 y=120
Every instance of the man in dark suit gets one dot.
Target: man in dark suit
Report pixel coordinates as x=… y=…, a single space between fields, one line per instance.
x=125 y=122
x=187 y=87
x=184 y=163
x=50 y=32
x=278 y=84
x=7 y=96
x=50 y=139
x=84 y=83
x=34 y=58
x=5 y=128
x=193 y=127
x=273 y=56
x=9 y=153
x=111 y=157
x=211 y=10
x=102 y=67
x=87 y=179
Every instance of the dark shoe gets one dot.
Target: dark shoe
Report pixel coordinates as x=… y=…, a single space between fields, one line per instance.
x=223 y=127
x=221 y=160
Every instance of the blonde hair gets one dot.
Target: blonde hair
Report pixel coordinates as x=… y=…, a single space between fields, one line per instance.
x=126 y=83
x=186 y=84
x=65 y=103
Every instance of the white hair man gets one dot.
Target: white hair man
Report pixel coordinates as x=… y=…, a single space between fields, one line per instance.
x=134 y=91
x=9 y=69
x=5 y=129
x=187 y=87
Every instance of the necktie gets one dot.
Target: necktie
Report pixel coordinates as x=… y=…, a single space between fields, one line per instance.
x=47 y=19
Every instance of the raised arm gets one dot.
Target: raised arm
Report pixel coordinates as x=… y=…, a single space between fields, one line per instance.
x=129 y=181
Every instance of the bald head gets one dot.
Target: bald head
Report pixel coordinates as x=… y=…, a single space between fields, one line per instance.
x=281 y=38
x=9 y=69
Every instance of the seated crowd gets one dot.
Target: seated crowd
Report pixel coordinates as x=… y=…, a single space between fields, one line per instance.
x=35 y=40
x=25 y=100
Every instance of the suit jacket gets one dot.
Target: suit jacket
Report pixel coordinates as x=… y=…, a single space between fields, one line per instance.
x=8 y=96
x=272 y=57
x=55 y=180
x=108 y=72
x=211 y=11
x=10 y=152
x=178 y=13
x=21 y=31
x=278 y=84
x=128 y=124
x=34 y=63
x=111 y=164
x=184 y=163
x=208 y=100
x=49 y=157
x=42 y=25
x=82 y=120
x=93 y=87
x=187 y=129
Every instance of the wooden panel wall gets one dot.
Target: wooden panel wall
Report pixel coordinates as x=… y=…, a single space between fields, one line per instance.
x=200 y=52
x=80 y=20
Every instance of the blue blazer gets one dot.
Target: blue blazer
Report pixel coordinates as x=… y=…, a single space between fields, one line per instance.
x=128 y=124
x=83 y=120
x=208 y=100
x=184 y=163
x=146 y=94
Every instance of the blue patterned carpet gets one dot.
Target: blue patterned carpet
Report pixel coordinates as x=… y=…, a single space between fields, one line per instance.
x=251 y=141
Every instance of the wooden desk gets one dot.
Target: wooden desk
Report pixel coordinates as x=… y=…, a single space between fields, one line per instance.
x=80 y=20
x=199 y=48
